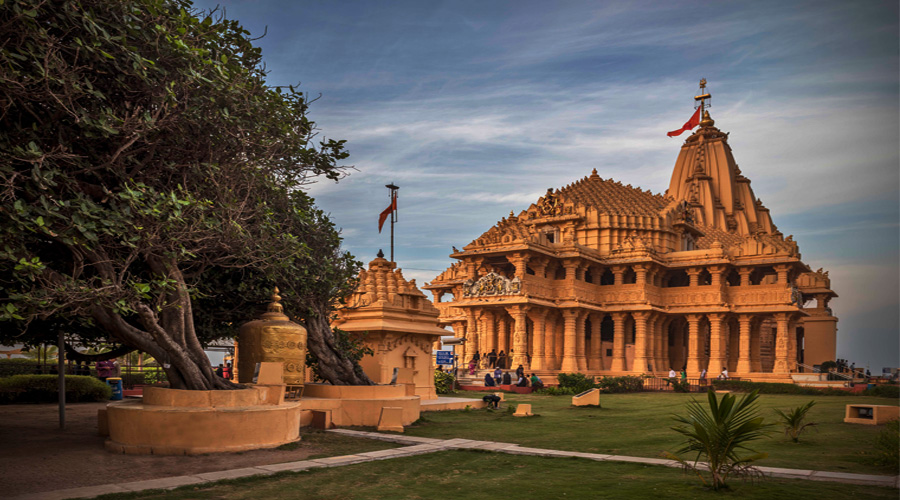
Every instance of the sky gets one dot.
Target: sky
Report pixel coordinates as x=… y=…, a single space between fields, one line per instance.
x=475 y=108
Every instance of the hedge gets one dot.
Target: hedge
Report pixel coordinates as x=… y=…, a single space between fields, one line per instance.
x=45 y=389
x=21 y=366
x=885 y=391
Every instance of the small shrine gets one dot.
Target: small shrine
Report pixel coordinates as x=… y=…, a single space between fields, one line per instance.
x=398 y=322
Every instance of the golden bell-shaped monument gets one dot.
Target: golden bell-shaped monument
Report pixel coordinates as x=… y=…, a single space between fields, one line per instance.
x=273 y=337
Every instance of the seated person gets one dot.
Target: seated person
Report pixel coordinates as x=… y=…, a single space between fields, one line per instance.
x=523 y=382
x=507 y=380
x=536 y=382
x=488 y=380
x=492 y=399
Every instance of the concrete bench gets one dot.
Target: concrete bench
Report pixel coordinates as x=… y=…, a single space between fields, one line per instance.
x=870 y=414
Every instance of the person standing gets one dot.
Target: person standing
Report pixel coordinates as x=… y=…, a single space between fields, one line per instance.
x=520 y=372
x=703 y=377
x=492 y=359
x=501 y=360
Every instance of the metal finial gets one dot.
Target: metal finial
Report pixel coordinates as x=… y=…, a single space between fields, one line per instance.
x=380 y=254
x=275 y=306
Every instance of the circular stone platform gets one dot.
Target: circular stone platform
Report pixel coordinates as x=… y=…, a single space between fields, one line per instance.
x=177 y=422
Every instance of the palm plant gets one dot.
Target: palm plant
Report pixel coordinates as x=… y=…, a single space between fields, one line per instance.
x=793 y=421
x=718 y=434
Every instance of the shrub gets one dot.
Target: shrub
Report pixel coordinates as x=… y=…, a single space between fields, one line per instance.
x=45 y=389
x=887 y=445
x=19 y=366
x=718 y=433
x=628 y=383
x=578 y=382
x=883 y=391
x=793 y=421
x=444 y=383
x=558 y=391
x=775 y=388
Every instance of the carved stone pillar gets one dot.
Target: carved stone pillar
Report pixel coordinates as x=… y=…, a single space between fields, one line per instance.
x=716 y=343
x=694 y=274
x=502 y=333
x=538 y=356
x=459 y=331
x=471 y=334
x=618 y=274
x=550 y=326
x=490 y=332
x=717 y=273
x=569 y=364
x=743 y=366
x=693 y=361
x=745 y=273
x=640 y=272
x=519 y=335
x=618 y=361
x=595 y=360
x=520 y=260
x=580 y=359
x=756 y=347
x=539 y=266
x=640 y=342
x=782 y=271
x=781 y=344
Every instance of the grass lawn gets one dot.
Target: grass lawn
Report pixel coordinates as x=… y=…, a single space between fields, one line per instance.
x=639 y=425
x=483 y=475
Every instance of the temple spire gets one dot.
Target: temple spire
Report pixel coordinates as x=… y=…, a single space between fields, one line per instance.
x=702 y=98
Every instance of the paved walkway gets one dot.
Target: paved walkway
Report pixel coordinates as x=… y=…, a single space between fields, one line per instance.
x=420 y=446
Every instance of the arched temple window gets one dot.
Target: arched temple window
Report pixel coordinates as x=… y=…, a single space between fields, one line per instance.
x=763 y=276
x=607 y=278
x=630 y=276
x=705 y=278
x=733 y=278
x=607 y=330
x=676 y=278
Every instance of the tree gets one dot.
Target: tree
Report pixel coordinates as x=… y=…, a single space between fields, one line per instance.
x=793 y=420
x=150 y=183
x=718 y=434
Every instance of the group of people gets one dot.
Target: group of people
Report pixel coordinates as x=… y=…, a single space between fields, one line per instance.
x=683 y=374
x=225 y=371
x=499 y=377
x=493 y=359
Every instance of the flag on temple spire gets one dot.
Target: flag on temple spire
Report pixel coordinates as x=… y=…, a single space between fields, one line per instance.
x=386 y=213
x=693 y=122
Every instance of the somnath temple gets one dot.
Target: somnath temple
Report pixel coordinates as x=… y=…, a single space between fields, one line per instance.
x=608 y=279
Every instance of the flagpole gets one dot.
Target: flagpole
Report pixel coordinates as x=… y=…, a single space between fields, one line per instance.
x=393 y=196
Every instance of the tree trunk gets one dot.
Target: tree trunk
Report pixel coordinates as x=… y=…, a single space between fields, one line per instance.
x=333 y=365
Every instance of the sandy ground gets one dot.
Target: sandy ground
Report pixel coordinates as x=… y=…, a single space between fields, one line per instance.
x=35 y=455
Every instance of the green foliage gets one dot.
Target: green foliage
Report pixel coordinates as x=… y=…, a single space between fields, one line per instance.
x=45 y=389
x=578 y=382
x=793 y=421
x=618 y=385
x=681 y=385
x=887 y=445
x=444 y=382
x=883 y=391
x=558 y=391
x=775 y=388
x=717 y=435
x=153 y=180
x=18 y=366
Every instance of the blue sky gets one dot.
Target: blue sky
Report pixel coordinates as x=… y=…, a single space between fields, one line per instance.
x=476 y=108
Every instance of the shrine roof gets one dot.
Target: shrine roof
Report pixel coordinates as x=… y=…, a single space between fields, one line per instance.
x=612 y=197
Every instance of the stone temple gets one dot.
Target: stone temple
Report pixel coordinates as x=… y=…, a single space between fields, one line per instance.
x=607 y=279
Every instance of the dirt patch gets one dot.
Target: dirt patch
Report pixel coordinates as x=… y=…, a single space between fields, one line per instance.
x=36 y=456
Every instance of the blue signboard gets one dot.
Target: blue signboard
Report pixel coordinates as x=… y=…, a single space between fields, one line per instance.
x=444 y=357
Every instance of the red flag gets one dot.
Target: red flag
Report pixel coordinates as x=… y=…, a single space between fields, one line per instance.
x=386 y=212
x=693 y=122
